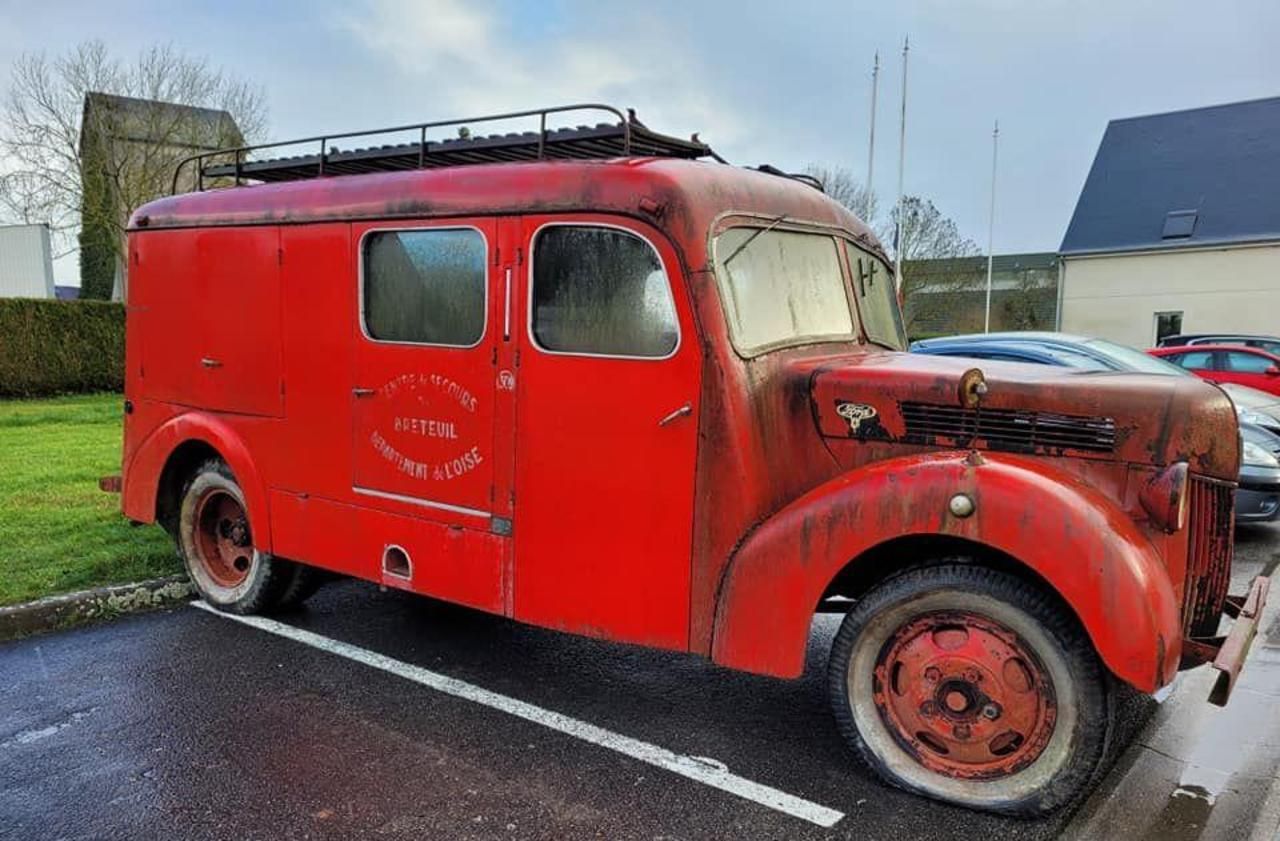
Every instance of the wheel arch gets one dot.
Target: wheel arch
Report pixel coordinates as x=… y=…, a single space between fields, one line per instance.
x=164 y=460
x=848 y=535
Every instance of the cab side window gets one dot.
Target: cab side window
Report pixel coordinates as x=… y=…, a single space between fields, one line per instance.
x=424 y=287
x=600 y=291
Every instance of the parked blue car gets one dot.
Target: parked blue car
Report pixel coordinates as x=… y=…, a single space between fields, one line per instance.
x=1258 y=499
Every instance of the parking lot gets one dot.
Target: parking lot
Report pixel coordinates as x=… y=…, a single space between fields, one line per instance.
x=376 y=714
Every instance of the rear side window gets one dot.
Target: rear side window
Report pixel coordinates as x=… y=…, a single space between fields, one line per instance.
x=1247 y=363
x=425 y=287
x=600 y=291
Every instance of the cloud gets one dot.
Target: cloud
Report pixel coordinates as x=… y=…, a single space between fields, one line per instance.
x=474 y=61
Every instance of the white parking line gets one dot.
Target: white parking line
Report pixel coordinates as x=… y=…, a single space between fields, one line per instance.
x=700 y=769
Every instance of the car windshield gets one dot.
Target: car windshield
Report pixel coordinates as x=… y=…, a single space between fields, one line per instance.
x=782 y=288
x=1129 y=359
x=877 y=297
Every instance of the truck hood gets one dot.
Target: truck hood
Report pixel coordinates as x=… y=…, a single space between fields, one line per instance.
x=1033 y=409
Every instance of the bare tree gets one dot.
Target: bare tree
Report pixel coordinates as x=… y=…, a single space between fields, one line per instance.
x=44 y=145
x=932 y=295
x=842 y=185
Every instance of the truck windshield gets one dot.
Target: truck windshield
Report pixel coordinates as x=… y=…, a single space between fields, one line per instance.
x=782 y=288
x=877 y=297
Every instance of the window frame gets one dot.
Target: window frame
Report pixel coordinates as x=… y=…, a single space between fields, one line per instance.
x=737 y=219
x=1155 y=324
x=361 y=279
x=529 y=296
x=852 y=284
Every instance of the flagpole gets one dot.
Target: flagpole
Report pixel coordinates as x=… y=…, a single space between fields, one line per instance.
x=902 y=152
x=871 y=141
x=991 y=224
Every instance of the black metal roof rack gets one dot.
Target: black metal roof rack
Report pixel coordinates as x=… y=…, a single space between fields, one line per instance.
x=624 y=138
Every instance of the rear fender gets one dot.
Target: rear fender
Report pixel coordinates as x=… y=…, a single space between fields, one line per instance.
x=1070 y=534
x=142 y=475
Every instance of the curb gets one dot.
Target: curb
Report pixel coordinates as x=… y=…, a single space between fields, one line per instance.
x=54 y=612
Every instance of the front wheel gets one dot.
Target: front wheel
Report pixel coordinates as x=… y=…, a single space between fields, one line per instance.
x=969 y=685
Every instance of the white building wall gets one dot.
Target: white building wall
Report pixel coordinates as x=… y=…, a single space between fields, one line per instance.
x=26 y=262
x=1234 y=290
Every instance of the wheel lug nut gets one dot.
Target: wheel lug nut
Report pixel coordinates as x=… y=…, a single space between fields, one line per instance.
x=972 y=675
x=928 y=709
x=961 y=731
x=991 y=711
x=932 y=674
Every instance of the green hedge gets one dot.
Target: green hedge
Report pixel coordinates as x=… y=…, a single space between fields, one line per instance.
x=55 y=347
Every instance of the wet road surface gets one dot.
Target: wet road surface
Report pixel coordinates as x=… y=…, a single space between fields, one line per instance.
x=185 y=724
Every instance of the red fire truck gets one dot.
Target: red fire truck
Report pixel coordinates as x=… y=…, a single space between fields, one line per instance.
x=598 y=380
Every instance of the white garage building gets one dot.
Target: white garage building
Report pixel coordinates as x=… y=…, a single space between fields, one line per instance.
x=1177 y=229
x=26 y=262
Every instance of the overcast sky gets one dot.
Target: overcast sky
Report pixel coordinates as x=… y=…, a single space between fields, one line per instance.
x=786 y=83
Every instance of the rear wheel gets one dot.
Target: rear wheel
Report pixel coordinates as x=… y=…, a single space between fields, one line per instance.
x=216 y=544
x=969 y=685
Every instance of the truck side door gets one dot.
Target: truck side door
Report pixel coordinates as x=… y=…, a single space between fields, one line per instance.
x=423 y=405
x=607 y=389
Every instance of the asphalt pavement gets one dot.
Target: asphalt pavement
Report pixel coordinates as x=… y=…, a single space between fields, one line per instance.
x=381 y=715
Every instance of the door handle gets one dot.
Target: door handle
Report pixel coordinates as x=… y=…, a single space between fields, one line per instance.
x=686 y=409
x=210 y=362
x=364 y=392
x=506 y=306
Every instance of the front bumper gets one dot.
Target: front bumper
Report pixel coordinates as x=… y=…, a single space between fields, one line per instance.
x=1228 y=653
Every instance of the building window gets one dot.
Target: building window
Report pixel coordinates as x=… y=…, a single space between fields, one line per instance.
x=1168 y=324
x=425 y=287
x=601 y=291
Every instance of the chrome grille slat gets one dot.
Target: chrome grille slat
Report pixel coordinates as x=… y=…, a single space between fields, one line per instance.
x=1017 y=429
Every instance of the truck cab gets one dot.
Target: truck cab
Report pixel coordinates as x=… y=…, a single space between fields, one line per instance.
x=591 y=380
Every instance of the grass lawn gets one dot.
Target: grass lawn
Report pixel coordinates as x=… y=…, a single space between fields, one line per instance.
x=58 y=532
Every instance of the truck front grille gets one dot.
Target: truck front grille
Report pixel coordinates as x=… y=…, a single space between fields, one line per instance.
x=1017 y=430
x=1210 y=520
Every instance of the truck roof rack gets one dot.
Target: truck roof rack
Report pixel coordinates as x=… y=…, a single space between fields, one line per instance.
x=623 y=138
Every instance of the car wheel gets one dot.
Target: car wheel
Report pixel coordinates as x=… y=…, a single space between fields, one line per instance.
x=216 y=544
x=971 y=686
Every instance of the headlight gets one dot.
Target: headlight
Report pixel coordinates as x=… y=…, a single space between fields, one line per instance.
x=1256 y=456
x=1164 y=497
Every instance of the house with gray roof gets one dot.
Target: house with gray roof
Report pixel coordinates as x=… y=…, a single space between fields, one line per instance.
x=1177 y=228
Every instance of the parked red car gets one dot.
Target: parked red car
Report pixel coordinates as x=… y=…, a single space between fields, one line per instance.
x=1227 y=364
x=582 y=380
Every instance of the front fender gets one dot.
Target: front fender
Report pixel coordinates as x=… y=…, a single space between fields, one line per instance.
x=1070 y=534
x=141 y=481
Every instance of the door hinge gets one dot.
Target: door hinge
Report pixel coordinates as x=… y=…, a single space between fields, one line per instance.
x=519 y=256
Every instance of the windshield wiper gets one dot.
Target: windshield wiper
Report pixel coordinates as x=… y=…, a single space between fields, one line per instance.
x=772 y=224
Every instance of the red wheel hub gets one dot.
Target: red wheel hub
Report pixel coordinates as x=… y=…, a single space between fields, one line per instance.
x=965 y=695
x=223 y=544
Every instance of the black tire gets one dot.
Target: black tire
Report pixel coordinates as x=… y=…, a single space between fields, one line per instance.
x=216 y=545
x=1024 y=664
x=302 y=583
